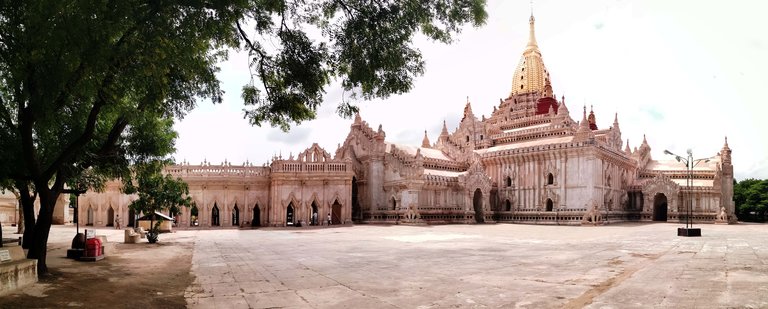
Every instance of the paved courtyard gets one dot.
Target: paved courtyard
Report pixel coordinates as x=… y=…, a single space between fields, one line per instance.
x=503 y=265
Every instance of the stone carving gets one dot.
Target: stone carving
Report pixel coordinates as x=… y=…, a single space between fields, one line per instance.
x=592 y=215
x=660 y=184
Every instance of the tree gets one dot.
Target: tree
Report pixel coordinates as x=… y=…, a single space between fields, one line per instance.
x=751 y=198
x=85 y=85
x=157 y=193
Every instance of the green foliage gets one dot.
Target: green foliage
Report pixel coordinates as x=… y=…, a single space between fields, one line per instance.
x=751 y=198
x=90 y=87
x=299 y=47
x=157 y=192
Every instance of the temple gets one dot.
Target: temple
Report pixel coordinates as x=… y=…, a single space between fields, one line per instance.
x=529 y=162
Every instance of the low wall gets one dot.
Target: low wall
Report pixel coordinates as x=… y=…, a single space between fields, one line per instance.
x=18 y=272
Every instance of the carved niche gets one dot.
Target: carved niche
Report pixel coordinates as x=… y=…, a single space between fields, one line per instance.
x=476 y=178
x=660 y=184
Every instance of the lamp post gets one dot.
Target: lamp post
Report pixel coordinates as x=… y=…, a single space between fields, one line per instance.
x=690 y=163
x=78 y=245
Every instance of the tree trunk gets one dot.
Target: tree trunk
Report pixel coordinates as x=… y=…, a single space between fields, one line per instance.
x=38 y=248
x=20 y=223
x=27 y=204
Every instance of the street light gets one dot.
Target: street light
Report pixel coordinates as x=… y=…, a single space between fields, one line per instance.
x=77 y=247
x=690 y=163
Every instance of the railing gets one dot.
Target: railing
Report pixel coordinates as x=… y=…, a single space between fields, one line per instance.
x=217 y=170
x=310 y=167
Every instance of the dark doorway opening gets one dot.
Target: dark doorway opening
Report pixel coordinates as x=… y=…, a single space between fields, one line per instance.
x=394 y=203
x=508 y=206
x=193 y=216
x=90 y=216
x=550 y=179
x=314 y=215
x=235 y=216
x=357 y=211
x=336 y=212
x=110 y=216
x=256 y=220
x=477 y=202
x=289 y=214
x=550 y=205
x=660 y=207
x=215 y=215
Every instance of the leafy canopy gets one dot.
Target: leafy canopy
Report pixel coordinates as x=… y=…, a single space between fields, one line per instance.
x=751 y=198
x=89 y=87
x=156 y=190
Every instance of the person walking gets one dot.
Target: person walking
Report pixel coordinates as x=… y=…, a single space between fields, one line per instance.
x=117 y=222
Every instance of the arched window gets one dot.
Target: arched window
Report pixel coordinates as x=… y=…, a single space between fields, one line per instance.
x=467 y=138
x=509 y=181
x=550 y=179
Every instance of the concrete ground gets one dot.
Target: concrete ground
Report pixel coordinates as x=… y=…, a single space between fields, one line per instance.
x=502 y=265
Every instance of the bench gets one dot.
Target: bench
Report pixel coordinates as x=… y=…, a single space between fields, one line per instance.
x=131 y=237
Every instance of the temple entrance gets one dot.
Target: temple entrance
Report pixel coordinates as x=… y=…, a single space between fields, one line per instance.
x=235 y=216
x=215 y=215
x=550 y=205
x=131 y=217
x=313 y=216
x=508 y=206
x=336 y=212
x=193 y=216
x=477 y=203
x=394 y=203
x=289 y=214
x=660 y=207
x=357 y=212
x=256 y=220
x=110 y=216
x=89 y=216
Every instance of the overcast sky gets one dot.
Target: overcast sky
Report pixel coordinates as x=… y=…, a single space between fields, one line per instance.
x=684 y=73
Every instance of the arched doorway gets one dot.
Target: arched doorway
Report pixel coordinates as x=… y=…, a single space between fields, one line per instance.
x=477 y=203
x=660 y=207
x=215 y=215
x=193 y=216
x=508 y=205
x=313 y=214
x=550 y=179
x=256 y=220
x=131 y=217
x=235 y=216
x=289 y=214
x=357 y=212
x=394 y=203
x=89 y=216
x=111 y=216
x=336 y=212
x=550 y=205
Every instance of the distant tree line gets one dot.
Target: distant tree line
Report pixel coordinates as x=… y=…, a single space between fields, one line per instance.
x=751 y=197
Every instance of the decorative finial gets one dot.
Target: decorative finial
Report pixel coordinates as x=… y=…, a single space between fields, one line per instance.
x=425 y=142
x=531 y=8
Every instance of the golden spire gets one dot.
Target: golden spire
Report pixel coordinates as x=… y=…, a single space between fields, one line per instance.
x=531 y=34
x=530 y=74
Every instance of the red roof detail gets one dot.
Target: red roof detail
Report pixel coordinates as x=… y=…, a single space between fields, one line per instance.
x=542 y=106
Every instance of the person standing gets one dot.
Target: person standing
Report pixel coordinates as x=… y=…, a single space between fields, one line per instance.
x=117 y=222
x=329 y=218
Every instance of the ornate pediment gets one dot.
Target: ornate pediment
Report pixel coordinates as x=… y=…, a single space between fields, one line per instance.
x=314 y=153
